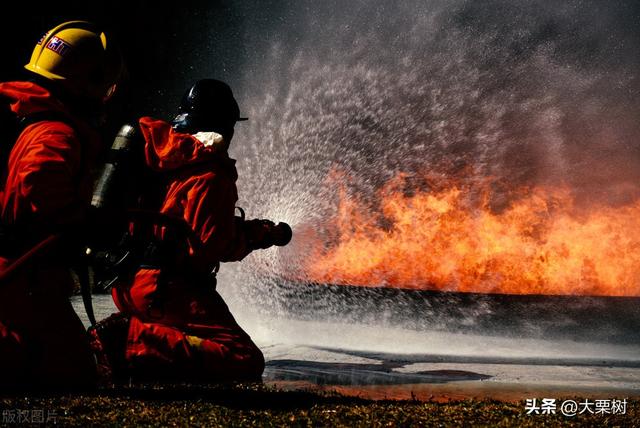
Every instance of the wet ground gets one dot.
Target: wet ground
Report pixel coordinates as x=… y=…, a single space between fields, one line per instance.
x=381 y=361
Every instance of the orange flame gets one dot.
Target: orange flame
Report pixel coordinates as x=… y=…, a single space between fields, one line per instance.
x=449 y=240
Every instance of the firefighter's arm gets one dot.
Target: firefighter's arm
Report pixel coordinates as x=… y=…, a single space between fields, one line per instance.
x=210 y=212
x=226 y=237
x=49 y=168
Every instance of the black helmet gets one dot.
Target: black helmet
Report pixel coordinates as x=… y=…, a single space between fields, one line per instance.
x=208 y=105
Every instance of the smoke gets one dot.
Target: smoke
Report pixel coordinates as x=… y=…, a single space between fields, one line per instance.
x=529 y=93
x=526 y=93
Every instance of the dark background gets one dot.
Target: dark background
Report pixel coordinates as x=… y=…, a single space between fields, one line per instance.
x=168 y=45
x=164 y=44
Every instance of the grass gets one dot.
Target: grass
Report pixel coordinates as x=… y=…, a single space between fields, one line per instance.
x=259 y=405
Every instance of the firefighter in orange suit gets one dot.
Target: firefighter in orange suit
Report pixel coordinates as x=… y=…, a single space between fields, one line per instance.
x=74 y=71
x=180 y=327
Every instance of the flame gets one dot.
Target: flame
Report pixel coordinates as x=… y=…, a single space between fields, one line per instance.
x=451 y=239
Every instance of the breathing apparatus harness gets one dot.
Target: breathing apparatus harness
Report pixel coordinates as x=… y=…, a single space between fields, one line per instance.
x=128 y=197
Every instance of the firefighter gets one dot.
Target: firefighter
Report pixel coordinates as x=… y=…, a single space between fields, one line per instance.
x=73 y=71
x=179 y=327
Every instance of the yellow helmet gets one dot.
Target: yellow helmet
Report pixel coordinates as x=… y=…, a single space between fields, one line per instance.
x=78 y=56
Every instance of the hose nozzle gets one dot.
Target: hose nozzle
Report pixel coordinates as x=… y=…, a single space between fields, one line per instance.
x=281 y=234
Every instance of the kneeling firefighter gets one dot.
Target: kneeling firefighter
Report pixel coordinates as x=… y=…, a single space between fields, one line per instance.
x=173 y=324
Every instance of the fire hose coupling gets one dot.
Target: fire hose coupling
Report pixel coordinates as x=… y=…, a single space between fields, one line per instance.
x=265 y=233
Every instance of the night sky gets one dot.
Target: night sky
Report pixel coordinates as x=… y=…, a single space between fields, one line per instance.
x=163 y=46
x=168 y=45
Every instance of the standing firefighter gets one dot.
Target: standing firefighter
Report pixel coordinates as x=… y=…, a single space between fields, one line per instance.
x=47 y=190
x=177 y=326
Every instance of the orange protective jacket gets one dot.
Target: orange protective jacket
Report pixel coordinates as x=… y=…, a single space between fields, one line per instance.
x=49 y=177
x=48 y=187
x=49 y=181
x=202 y=190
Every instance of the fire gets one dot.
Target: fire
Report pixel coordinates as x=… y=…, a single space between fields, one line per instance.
x=451 y=239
